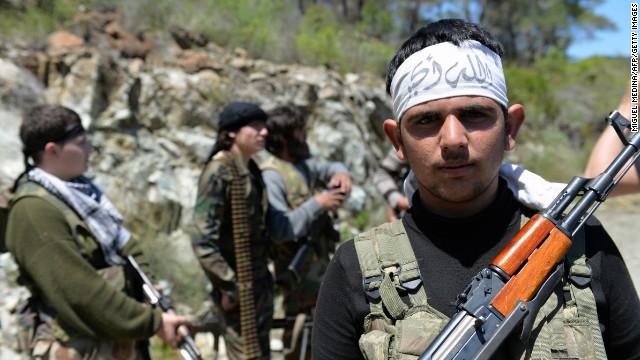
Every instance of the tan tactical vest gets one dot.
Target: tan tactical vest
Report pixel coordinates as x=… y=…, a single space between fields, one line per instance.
x=322 y=232
x=297 y=193
x=297 y=189
x=49 y=332
x=565 y=328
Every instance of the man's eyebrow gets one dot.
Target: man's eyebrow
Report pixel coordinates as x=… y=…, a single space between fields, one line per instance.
x=479 y=108
x=421 y=114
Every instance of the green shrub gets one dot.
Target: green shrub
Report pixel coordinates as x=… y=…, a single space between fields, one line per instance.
x=553 y=157
x=36 y=23
x=319 y=39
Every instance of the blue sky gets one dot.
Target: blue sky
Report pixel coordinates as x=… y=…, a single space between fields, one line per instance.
x=608 y=43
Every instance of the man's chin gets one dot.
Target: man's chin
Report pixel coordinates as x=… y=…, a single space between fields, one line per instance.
x=458 y=194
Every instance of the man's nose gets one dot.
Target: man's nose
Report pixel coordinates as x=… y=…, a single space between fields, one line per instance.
x=453 y=134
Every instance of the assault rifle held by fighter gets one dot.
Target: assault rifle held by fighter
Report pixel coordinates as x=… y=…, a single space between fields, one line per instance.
x=186 y=343
x=322 y=226
x=507 y=295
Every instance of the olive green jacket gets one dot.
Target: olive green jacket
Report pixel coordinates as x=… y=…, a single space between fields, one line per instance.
x=59 y=260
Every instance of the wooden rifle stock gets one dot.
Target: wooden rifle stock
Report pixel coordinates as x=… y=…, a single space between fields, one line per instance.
x=532 y=255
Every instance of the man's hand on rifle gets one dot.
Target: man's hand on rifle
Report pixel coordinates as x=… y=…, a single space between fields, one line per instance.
x=341 y=181
x=330 y=200
x=169 y=328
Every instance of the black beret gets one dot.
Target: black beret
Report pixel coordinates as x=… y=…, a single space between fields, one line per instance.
x=238 y=114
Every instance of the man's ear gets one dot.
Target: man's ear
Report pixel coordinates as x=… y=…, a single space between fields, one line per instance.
x=51 y=148
x=392 y=130
x=516 y=118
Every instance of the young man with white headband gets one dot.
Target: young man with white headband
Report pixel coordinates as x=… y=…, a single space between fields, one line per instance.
x=391 y=290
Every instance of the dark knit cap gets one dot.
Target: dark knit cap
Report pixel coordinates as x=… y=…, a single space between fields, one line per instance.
x=238 y=114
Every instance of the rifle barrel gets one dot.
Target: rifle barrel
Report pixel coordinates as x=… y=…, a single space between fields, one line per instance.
x=187 y=345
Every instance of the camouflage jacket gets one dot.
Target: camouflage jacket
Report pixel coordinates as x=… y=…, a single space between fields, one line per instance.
x=212 y=238
x=390 y=176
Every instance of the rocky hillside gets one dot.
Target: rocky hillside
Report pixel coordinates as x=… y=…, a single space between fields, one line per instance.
x=151 y=103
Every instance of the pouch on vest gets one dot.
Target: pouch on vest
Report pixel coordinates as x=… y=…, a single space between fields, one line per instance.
x=393 y=330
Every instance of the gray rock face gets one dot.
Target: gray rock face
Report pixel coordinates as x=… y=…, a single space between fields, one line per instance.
x=152 y=125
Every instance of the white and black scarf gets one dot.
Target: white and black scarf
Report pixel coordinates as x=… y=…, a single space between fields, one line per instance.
x=94 y=208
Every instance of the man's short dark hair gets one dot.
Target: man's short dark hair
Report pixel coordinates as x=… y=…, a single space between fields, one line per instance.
x=455 y=31
x=43 y=124
x=281 y=123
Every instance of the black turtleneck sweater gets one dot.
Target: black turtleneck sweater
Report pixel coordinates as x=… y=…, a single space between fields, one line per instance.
x=450 y=252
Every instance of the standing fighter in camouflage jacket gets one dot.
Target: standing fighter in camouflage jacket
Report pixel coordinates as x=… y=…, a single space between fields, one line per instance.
x=69 y=243
x=241 y=134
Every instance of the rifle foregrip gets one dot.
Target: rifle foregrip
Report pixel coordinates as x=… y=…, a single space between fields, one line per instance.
x=525 y=284
x=523 y=244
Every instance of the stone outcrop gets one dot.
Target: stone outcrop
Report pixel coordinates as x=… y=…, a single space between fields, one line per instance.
x=152 y=121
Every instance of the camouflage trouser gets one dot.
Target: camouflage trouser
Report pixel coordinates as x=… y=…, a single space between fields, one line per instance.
x=302 y=300
x=85 y=348
x=263 y=295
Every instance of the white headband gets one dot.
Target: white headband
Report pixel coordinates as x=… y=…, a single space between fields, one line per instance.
x=445 y=70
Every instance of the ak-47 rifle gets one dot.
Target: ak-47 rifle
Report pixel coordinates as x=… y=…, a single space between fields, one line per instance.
x=508 y=294
x=320 y=227
x=186 y=343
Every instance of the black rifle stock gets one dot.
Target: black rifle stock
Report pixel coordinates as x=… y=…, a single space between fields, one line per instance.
x=186 y=344
x=296 y=266
x=322 y=226
x=507 y=295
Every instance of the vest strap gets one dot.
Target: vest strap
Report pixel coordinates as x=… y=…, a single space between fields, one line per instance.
x=389 y=266
x=579 y=280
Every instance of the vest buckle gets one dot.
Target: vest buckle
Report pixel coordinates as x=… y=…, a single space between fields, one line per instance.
x=580 y=275
x=372 y=292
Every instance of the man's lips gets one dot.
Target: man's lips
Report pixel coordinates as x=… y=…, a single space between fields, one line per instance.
x=455 y=168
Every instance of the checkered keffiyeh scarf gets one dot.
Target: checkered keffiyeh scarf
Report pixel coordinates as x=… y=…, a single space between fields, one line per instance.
x=94 y=208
